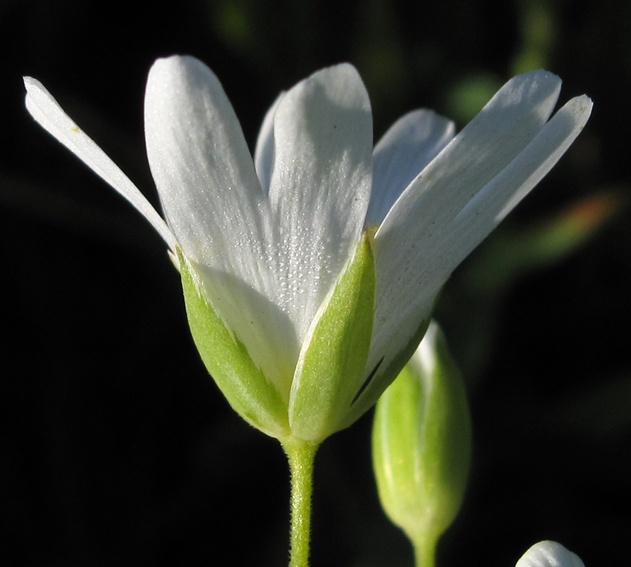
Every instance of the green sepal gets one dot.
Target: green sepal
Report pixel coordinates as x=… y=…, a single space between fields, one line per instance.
x=331 y=364
x=243 y=384
x=383 y=376
x=422 y=445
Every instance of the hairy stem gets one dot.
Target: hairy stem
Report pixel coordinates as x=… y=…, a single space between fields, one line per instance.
x=301 y=455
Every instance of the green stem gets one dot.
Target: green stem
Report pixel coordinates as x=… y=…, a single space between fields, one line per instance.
x=425 y=551
x=301 y=455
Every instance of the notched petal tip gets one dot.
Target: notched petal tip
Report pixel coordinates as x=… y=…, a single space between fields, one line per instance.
x=345 y=83
x=539 y=77
x=541 y=73
x=30 y=83
x=32 y=86
x=344 y=67
x=581 y=106
x=175 y=62
x=533 y=92
x=41 y=104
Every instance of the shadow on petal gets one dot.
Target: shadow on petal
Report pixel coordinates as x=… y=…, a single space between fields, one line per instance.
x=260 y=324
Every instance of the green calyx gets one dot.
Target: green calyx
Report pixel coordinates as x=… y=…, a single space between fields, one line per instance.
x=243 y=384
x=331 y=365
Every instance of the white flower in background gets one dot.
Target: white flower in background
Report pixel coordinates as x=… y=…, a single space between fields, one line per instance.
x=311 y=271
x=549 y=554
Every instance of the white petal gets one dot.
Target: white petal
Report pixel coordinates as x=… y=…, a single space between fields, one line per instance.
x=203 y=171
x=549 y=554
x=501 y=130
x=320 y=185
x=409 y=243
x=489 y=207
x=257 y=321
x=214 y=204
x=404 y=150
x=264 y=151
x=202 y=167
x=47 y=112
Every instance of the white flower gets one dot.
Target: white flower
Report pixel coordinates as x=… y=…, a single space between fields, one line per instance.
x=549 y=554
x=268 y=239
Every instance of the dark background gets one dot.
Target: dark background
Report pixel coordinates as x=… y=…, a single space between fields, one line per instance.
x=116 y=449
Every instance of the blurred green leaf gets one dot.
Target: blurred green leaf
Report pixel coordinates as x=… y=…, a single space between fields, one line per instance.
x=514 y=252
x=467 y=97
x=602 y=411
x=538 y=31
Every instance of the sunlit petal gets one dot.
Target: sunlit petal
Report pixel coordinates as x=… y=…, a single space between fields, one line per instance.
x=408 y=244
x=202 y=168
x=489 y=207
x=404 y=150
x=214 y=203
x=45 y=110
x=320 y=185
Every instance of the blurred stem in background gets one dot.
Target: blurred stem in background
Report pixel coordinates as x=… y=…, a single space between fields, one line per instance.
x=538 y=31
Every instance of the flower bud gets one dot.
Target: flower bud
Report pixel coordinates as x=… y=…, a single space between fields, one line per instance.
x=549 y=554
x=422 y=445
